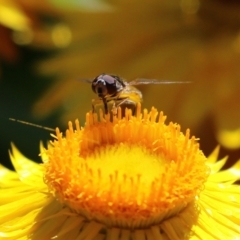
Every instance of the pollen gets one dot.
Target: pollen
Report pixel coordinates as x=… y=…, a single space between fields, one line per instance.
x=130 y=172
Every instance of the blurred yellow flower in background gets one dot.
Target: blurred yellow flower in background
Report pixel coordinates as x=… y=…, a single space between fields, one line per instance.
x=21 y=24
x=131 y=178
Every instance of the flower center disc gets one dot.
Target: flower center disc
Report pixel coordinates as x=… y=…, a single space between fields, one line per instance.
x=127 y=163
x=132 y=172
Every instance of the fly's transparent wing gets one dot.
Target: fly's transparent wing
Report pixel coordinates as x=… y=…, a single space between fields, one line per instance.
x=85 y=80
x=142 y=81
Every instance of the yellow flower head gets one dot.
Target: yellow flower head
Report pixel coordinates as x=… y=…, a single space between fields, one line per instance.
x=131 y=173
x=132 y=178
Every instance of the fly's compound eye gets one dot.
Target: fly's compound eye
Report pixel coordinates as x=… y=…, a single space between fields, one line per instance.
x=104 y=85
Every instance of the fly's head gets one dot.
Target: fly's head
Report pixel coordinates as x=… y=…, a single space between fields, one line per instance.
x=106 y=85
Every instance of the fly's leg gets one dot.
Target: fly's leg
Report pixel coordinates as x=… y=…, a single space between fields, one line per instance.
x=114 y=109
x=99 y=103
x=105 y=106
x=125 y=103
x=116 y=106
x=93 y=106
x=119 y=104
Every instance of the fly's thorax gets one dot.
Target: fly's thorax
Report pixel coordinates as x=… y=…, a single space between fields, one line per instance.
x=131 y=93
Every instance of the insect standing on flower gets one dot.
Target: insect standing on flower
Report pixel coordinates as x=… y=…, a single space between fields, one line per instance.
x=112 y=90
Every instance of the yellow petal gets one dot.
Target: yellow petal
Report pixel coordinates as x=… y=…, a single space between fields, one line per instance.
x=218 y=165
x=28 y=171
x=231 y=174
x=212 y=158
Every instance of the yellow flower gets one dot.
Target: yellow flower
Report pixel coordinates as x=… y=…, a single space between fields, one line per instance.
x=132 y=178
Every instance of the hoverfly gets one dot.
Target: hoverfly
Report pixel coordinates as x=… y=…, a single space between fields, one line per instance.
x=114 y=90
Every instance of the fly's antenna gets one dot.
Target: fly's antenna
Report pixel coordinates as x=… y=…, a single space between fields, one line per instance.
x=32 y=124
